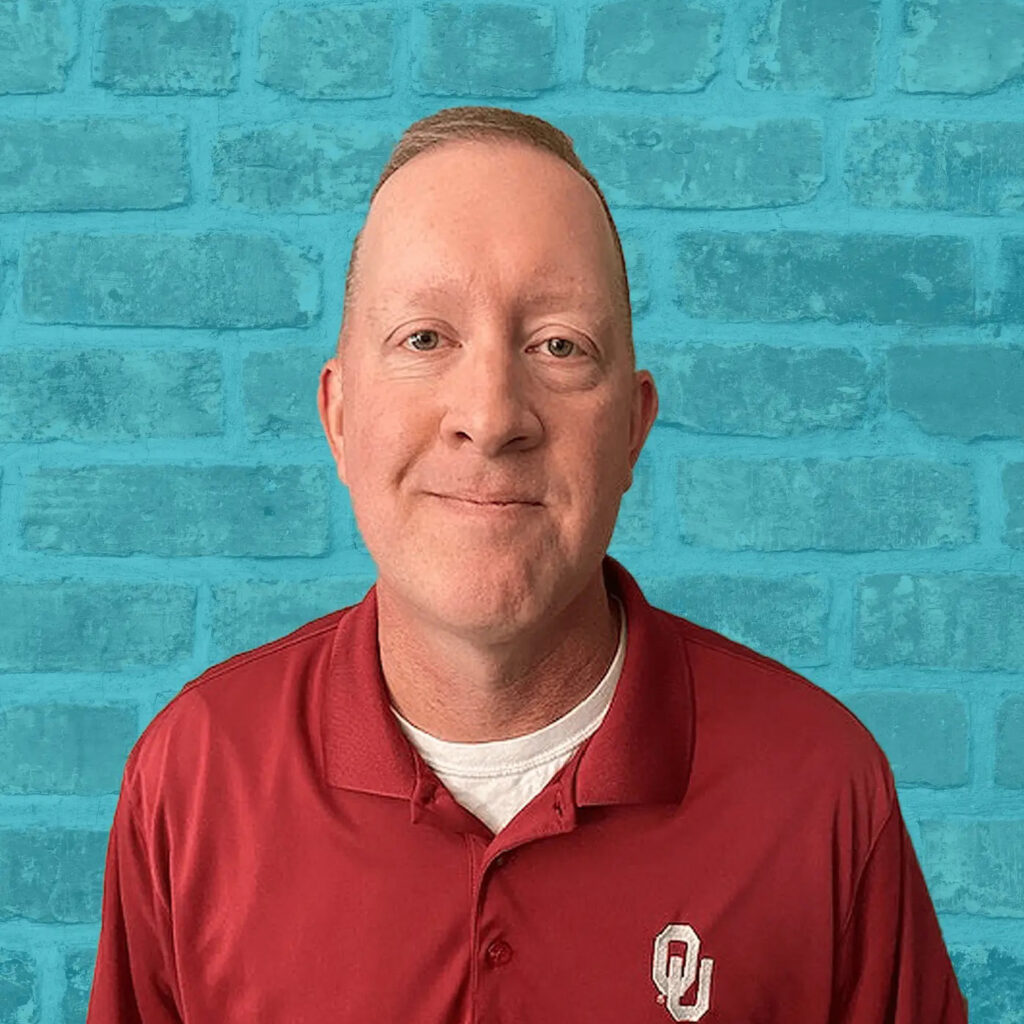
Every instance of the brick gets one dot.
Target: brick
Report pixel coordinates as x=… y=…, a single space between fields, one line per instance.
x=992 y=980
x=279 y=392
x=109 y=394
x=749 y=610
x=7 y=272
x=974 y=867
x=255 y=612
x=79 y=967
x=35 y=48
x=328 y=52
x=924 y=735
x=1010 y=743
x=949 y=46
x=1010 y=301
x=92 y=164
x=634 y=527
x=867 y=504
x=53 y=876
x=213 y=280
x=178 y=510
x=66 y=625
x=167 y=50
x=78 y=750
x=966 y=391
x=1013 y=493
x=762 y=390
x=19 y=988
x=965 y=166
x=652 y=46
x=963 y=620
x=304 y=168
x=684 y=163
x=822 y=46
x=486 y=50
x=634 y=250
x=803 y=275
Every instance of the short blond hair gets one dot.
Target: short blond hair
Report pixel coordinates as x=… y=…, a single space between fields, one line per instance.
x=498 y=124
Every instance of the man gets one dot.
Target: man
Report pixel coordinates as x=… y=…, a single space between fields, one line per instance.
x=504 y=787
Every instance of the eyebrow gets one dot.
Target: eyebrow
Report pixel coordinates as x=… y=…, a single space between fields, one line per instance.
x=537 y=295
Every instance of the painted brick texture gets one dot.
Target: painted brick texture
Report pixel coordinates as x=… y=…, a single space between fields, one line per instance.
x=328 y=52
x=109 y=394
x=762 y=390
x=688 y=164
x=797 y=504
x=786 y=276
x=189 y=280
x=119 y=165
x=924 y=735
x=652 y=46
x=64 y=625
x=51 y=876
x=965 y=166
x=19 y=987
x=165 y=50
x=305 y=168
x=36 y=45
x=947 y=48
x=823 y=46
x=819 y=203
x=975 y=867
x=178 y=510
x=465 y=49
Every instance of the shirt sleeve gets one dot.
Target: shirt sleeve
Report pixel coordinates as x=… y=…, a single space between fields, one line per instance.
x=134 y=981
x=892 y=964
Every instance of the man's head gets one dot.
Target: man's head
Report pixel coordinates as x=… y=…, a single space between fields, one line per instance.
x=486 y=353
x=495 y=125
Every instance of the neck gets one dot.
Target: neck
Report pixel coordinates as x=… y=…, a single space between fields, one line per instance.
x=460 y=689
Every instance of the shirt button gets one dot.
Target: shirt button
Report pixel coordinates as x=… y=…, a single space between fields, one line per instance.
x=499 y=952
x=499 y=860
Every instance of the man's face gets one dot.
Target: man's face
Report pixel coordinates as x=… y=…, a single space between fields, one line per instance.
x=485 y=358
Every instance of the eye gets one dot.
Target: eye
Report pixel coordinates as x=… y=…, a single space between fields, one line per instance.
x=421 y=334
x=565 y=346
x=561 y=348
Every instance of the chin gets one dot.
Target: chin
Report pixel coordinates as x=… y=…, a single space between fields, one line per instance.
x=487 y=595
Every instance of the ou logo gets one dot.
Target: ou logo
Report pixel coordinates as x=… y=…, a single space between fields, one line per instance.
x=675 y=975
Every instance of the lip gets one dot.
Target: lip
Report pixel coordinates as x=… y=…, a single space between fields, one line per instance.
x=491 y=505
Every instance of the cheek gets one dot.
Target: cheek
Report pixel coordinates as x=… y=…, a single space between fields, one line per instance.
x=604 y=449
x=383 y=443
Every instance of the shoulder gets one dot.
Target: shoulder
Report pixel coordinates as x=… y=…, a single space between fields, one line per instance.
x=779 y=721
x=235 y=706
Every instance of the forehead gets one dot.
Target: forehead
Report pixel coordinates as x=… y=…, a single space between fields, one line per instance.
x=486 y=215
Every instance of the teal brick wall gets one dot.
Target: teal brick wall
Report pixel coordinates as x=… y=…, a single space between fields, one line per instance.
x=822 y=212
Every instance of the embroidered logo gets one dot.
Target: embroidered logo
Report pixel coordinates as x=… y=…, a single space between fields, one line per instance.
x=675 y=975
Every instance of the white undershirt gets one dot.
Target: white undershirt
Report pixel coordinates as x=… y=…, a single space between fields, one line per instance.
x=497 y=779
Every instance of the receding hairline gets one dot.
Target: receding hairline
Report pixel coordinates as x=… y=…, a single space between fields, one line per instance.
x=496 y=126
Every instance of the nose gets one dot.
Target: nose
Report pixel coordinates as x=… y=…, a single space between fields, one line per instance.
x=489 y=399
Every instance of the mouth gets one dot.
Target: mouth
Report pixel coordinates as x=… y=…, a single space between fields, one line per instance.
x=488 y=505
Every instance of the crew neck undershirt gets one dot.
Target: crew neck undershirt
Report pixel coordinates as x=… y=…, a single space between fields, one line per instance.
x=496 y=779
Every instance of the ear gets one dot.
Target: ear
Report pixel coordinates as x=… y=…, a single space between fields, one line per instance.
x=328 y=402
x=644 y=413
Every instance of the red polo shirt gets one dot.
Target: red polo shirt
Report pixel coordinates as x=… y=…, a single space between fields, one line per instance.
x=726 y=847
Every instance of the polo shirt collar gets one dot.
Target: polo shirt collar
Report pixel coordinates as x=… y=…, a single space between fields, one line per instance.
x=640 y=753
